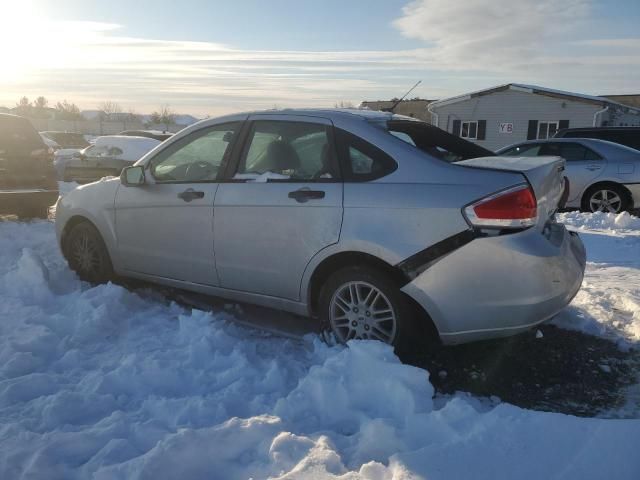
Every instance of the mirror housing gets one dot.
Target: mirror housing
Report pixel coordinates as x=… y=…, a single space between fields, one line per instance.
x=132 y=176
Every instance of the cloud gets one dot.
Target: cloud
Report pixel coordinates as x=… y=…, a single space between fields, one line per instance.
x=466 y=46
x=490 y=34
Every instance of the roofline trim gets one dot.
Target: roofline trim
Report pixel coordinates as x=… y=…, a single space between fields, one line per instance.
x=536 y=91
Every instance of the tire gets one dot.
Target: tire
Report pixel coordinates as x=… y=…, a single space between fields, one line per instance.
x=357 y=319
x=607 y=197
x=87 y=254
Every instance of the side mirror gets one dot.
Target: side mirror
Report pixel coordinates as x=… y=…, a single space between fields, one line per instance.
x=132 y=176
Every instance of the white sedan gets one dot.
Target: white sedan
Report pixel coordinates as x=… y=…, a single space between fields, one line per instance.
x=106 y=157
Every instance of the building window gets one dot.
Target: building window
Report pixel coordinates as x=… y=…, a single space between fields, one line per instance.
x=547 y=129
x=469 y=130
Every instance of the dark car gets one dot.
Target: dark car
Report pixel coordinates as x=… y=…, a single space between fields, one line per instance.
x=28 y=184
x=628 y=136
x=67 y=139
x=155 y=134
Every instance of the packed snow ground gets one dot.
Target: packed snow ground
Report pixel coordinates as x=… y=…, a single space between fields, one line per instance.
x=99 y=382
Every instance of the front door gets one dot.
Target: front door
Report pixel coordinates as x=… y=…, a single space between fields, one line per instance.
x=281 y=204
x=165 y=227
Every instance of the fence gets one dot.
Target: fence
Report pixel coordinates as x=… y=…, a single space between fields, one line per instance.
x=96 y=127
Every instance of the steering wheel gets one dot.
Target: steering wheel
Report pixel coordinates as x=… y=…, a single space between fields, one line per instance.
x=199 y=170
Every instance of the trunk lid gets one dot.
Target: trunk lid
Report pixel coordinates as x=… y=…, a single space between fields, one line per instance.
x=544 y=174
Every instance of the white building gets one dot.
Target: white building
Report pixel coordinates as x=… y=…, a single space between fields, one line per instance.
x=499 y=116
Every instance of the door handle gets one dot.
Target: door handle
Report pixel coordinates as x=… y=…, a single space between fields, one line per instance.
x=593 y=168
x=190 y=194
x=305 y=194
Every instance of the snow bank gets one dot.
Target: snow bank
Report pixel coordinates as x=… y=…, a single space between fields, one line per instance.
x=106 y=384
x=600 y=221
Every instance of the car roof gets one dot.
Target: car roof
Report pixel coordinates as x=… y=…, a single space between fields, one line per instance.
x=592 y=142
x=599 y=129
x=123 y=140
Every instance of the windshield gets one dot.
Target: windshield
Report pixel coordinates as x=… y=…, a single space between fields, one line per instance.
x=435 y=141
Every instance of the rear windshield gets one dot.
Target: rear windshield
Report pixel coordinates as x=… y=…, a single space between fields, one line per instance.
x=435 y=141
x=18 y=135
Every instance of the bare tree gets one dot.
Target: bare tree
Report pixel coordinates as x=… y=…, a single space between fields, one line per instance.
x=39 y=107
x=165 y=116
x=68 y=111
x=23 y=107
x=343 y=104
x=110 y=108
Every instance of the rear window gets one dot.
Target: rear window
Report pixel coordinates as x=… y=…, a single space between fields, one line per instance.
x=18 y=135
x=360 y=160
x=436 y=142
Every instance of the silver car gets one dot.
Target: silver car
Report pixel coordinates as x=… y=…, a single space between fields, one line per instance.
x=358 y=219
x=603 y=176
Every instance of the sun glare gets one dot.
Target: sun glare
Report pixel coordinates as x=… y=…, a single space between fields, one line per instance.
x=23 y=36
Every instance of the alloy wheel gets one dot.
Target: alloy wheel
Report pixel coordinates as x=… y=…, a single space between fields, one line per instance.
x=605 y=201
x=359 y=310
x=85 y=253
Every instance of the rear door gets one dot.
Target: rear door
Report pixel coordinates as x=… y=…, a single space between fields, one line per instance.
x=165 y=227
x=583 y=165
x=280 y=205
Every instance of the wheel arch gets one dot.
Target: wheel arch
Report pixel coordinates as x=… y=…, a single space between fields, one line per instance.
x=602 y=184
x=345 y=259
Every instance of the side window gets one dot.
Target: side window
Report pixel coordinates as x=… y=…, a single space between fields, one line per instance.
x=523 y=151
x=286 y=150
x=195 y=158
x=576 y=152
x=362 y=161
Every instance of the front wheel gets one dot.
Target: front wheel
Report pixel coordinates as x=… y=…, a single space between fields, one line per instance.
x=363 y=303
x=87 y=254
x=605 y=198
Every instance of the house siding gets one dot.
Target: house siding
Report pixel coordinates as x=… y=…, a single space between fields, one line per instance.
x=516 y=107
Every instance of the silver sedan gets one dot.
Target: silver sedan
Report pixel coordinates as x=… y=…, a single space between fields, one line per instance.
x=603 y=176
x=379 y=226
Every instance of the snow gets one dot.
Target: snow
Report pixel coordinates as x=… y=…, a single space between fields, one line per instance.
x=600 y=221
x=100 y=382
x=608 y=304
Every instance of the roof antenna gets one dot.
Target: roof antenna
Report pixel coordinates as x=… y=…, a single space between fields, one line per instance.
x=392 y=108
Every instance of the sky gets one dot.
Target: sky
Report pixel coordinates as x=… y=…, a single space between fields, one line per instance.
x=215 y=57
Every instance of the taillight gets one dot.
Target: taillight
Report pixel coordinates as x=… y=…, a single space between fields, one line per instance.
x=513 y=208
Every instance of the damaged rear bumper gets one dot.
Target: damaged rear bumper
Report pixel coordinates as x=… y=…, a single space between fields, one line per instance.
x=501 y=285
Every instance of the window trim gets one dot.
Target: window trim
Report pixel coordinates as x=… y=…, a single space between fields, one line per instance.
x=183 y=141
x=241 y=150
x=343 y=140
x=587 y=149
x=468 y=122
x=547 y=122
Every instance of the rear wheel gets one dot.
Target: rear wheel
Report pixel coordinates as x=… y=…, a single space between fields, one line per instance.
x=609 y=198
x=87 y=254
x=363 y=303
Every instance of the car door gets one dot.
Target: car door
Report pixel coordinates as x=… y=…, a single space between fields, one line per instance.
x=164 y=227
x=583 y=165
x=280 y=205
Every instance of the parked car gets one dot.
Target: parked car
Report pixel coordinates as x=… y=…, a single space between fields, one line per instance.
x=628 y=136
x=603 y=176
x=106 y=157
x=52 y=146
x=155 y=134
x=67 y=139
x=28 y=185
x=347 y=216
